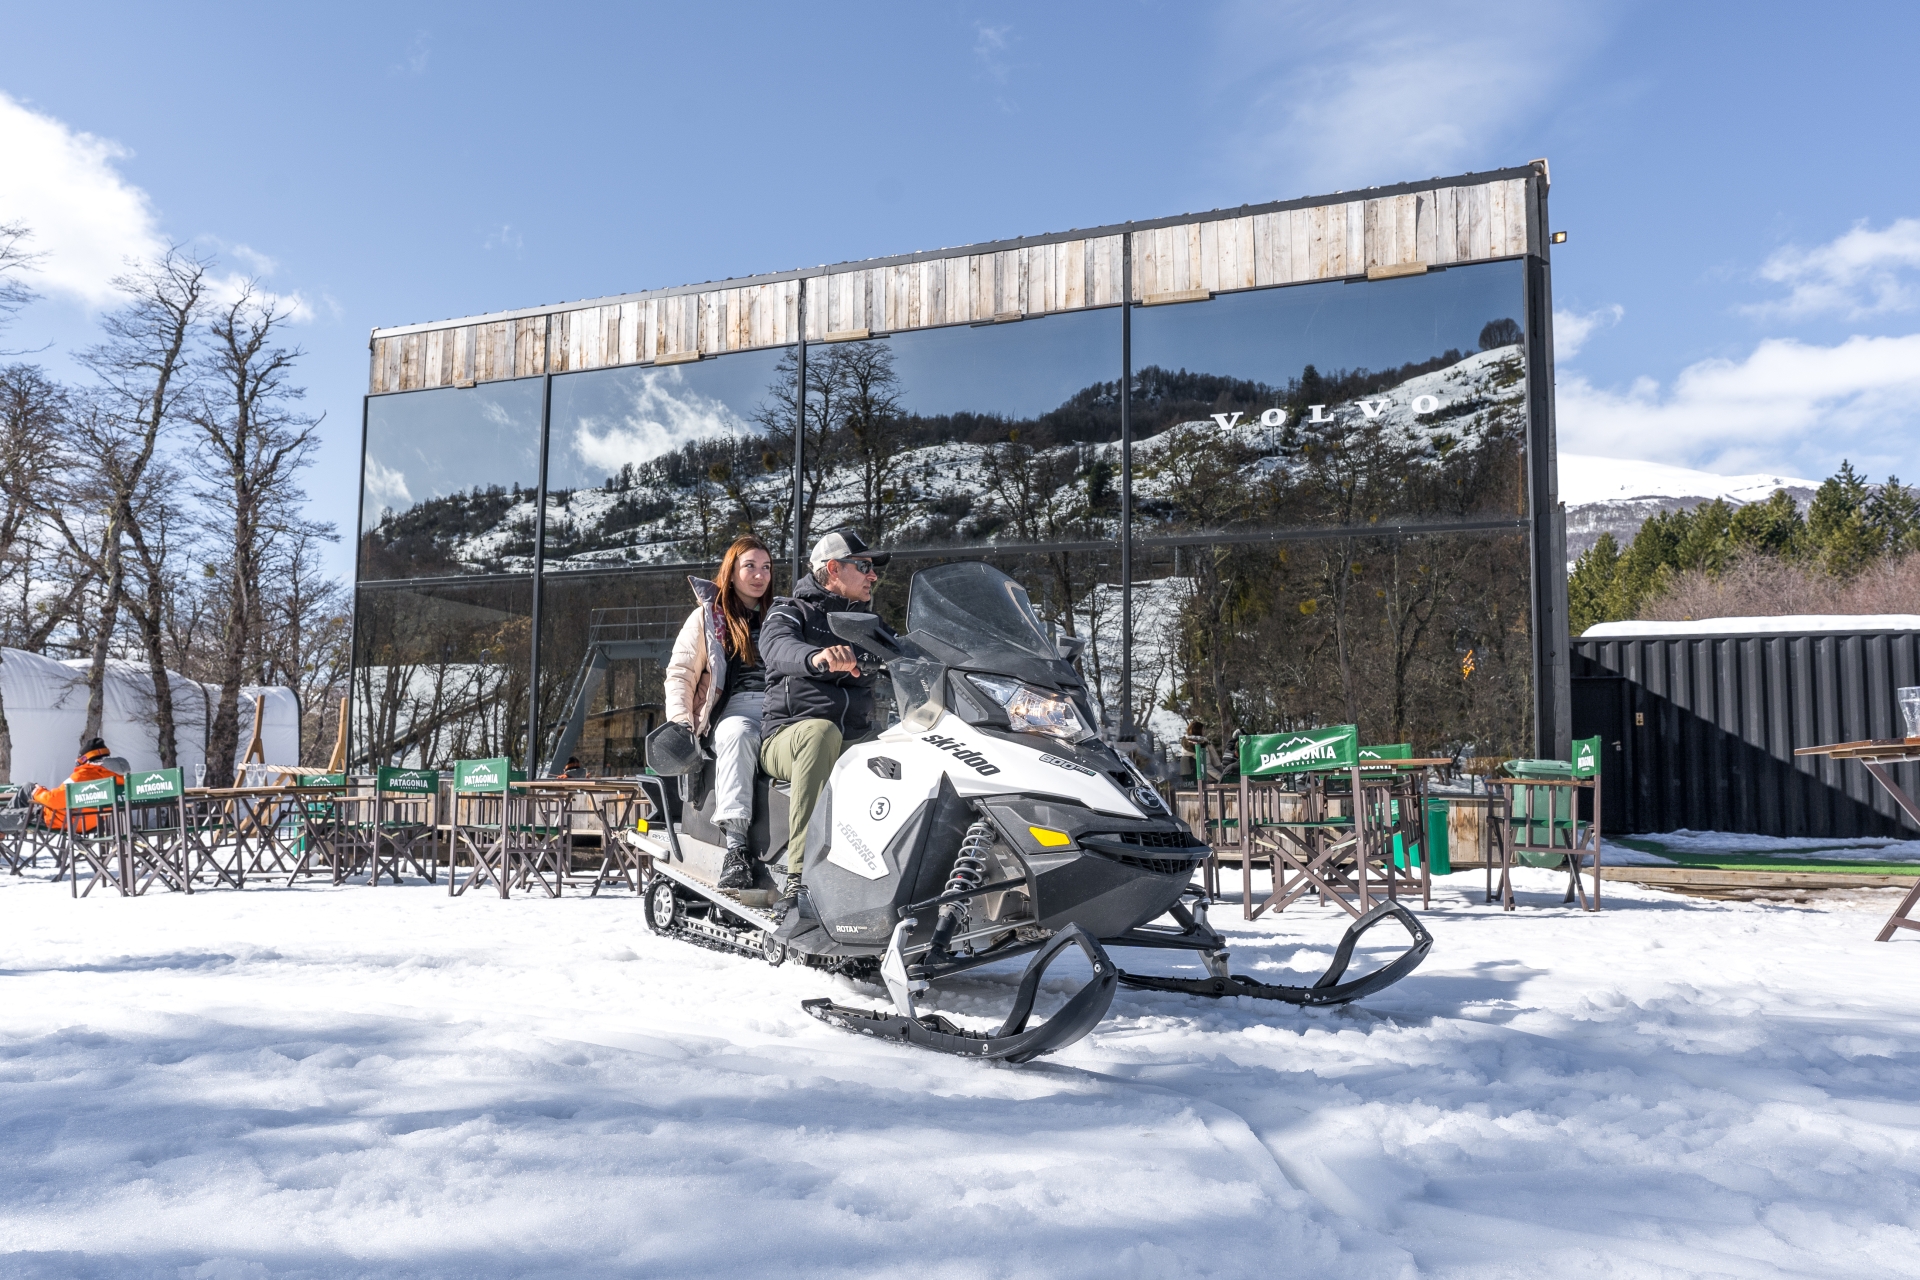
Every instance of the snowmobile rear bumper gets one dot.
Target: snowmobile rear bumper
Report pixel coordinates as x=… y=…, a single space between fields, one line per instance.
x=1328 y=989
x=1014 y=1041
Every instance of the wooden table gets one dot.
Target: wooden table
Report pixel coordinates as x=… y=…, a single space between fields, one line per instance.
x=522 y=837
x=1876 y=755
x=236 y=832
x=1346 y=857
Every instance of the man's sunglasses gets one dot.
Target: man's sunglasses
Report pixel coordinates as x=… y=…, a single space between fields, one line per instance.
x=862 y=566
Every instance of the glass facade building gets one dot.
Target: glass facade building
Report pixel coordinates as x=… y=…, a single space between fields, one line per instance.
x=1293 y=488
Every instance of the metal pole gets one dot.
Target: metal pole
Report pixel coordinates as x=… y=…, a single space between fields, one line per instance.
x=799 y=444
x=1126 y=487
x=539 y=558
x=353 y=624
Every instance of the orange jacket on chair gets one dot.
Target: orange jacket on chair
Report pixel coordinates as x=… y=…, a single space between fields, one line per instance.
x=53 y=800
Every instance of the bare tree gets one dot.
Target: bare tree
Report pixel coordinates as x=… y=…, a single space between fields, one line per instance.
x=308 y=628
x=15 y=261
x=256 y=443
x=31 y=409
x=145 y=373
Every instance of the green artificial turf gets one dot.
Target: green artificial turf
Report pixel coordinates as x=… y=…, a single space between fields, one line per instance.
x=1773 y=861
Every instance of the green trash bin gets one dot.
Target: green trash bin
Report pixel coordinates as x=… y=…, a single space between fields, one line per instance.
x=1542 y=815
x=1439 y=856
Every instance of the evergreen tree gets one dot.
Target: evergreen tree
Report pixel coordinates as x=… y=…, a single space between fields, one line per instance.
x=1773 y=527
x=1591 y=582
x=1845 y=540
x=1894 y=512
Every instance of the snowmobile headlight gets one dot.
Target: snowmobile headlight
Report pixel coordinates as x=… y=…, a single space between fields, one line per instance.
x=1031 y=710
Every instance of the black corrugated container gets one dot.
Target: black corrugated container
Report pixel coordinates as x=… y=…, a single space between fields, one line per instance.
x=1700 y=730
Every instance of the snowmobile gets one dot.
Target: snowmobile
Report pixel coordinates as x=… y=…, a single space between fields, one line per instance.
x=988 y=822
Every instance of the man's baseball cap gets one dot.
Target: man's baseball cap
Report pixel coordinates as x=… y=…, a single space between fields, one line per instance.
x=843 y=544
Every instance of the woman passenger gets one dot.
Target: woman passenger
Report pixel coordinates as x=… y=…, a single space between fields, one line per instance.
x=715 y=683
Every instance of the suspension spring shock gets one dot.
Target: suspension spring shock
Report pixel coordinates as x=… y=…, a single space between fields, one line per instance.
x=969 y=872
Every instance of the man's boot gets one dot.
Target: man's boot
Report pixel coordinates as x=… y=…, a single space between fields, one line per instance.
x=790 y=895
x=736 y=871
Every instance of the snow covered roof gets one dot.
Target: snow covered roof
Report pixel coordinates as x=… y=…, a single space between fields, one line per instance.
x=1785 y=624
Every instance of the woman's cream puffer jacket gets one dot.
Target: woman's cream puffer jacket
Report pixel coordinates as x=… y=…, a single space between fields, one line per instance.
x=697 y=672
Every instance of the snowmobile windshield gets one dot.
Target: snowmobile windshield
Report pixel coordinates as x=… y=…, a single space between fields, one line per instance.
x=982 y=613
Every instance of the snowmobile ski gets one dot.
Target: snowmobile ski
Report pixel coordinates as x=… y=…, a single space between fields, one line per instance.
x=1014 y=1041
x=1327 y=989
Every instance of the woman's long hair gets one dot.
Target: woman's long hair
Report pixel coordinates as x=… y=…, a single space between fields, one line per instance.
x=733 y=610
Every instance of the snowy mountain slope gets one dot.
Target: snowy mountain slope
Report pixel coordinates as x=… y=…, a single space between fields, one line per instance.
x=1617 y=495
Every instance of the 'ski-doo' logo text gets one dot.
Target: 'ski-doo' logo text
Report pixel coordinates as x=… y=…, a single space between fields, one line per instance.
x=1058 y=763
x=963 y=753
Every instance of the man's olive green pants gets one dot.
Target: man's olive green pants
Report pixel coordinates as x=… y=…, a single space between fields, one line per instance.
x=803 y=753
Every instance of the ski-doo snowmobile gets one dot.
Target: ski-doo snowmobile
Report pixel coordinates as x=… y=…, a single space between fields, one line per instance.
x=988 y=822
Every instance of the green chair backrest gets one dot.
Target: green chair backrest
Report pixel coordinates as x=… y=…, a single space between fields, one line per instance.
x=1266 y=755
x=95 y=793
x=155 y=785
x=412 y=782
x=485 y=775
x=1391 y=751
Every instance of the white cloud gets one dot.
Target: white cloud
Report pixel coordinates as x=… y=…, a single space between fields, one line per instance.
x=663 y=416
x=86 y=219
x=990 y=46
x=88 y=223
x=1858 y=274
x=1571 y=329
x=1336 y=96
x=1788 y=403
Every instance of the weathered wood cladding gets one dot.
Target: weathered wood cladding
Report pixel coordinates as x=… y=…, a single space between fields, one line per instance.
x=1438 y=226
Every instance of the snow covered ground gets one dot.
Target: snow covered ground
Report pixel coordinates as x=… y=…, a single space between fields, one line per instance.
x=357 y=1082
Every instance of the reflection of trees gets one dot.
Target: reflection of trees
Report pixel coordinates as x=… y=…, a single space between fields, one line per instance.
x=438 y=679
x=1258 y=649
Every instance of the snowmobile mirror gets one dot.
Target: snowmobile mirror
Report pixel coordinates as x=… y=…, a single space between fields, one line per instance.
x=1071 y=647
x=865 y=630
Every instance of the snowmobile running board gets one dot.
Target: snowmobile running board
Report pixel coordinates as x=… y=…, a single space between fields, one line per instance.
x=1014 y=1041
x=1328 y=989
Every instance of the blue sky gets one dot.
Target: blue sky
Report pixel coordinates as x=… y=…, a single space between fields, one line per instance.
x=1738 y=292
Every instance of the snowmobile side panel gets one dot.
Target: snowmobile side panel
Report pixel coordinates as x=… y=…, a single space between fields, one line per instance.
x=917 y=859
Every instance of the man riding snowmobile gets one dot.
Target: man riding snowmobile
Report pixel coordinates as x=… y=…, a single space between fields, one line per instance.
x=988 y=822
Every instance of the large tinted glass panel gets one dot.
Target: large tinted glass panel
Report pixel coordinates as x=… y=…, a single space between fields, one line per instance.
x=668 y=464
x=449 y=479
x=605 y=639
x=1332 y=405
x=975 y=436
x=440 y=672
x=1415 y=639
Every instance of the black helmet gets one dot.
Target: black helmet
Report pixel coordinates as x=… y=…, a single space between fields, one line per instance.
x=672 y=750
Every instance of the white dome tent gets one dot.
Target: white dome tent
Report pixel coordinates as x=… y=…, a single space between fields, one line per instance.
x=46 y=708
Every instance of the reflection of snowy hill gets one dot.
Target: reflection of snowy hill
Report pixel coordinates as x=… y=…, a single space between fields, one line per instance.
x=956 y=491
